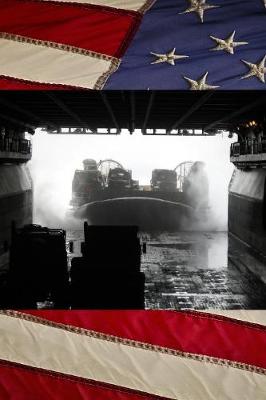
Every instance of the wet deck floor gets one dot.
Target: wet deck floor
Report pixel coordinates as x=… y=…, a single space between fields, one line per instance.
x=193 y=270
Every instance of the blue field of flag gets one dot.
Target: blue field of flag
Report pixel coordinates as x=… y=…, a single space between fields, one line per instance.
x=236 y=28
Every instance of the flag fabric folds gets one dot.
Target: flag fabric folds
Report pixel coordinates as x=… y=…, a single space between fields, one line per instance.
x=132 y=355
x=133 y=44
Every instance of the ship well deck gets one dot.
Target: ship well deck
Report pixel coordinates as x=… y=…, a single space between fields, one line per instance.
x=199 y=270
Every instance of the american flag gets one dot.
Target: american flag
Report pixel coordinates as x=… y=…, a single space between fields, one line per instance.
x=133 y=44
x=132 y=355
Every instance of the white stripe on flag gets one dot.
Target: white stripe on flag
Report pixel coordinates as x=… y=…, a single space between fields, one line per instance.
x=170 y=376
x=133 y=5
x=254 y=316
x=39 y=63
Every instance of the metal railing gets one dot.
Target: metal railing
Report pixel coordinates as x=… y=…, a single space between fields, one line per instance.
x=249 y=146
x=15 y=145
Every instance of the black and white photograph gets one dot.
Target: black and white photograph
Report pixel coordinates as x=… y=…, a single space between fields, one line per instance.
x=146 y=199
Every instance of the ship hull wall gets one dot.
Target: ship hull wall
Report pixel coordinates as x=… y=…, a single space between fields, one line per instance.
x=247 y=207
x=15 y=200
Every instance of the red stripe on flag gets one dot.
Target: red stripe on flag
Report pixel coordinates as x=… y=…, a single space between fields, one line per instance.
x=8 y=83
x=196 y=333
x=20 y=382
x=95 y=28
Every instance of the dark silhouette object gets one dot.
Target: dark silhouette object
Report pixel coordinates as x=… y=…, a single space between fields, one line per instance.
x=164 y=180
x=119 y=178
x=144 y=247
x=38 y=267
x=108 y=274
x=71 y=246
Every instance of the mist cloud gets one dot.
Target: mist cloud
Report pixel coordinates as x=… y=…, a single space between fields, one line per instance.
x=56 y=157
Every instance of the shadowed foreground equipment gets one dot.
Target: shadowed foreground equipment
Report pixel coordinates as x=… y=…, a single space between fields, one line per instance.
x=106 y=276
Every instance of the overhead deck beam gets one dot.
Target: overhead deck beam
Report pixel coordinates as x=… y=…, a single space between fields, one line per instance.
x=236 y=113
x=132 y=112
x=65 y=108
x=148 y=111
x=166 y=111
x=123 y=96
x=25 y=112
x=110 y=110
x=202 y=100
x=82 y=131
x=18 y=122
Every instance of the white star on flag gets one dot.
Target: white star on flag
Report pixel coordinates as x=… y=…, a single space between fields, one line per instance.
x=258 y=70
x=169 y=57
x=227 y=44
x=199 y=7
x=200 y=84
